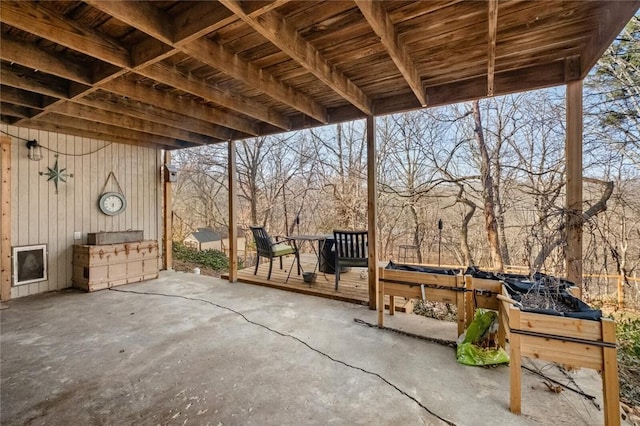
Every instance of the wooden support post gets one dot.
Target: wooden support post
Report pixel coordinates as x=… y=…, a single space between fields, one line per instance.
x=381 y=304
x=5 y=218
x=167 y=240
x=233 y=213
x=460 y=305
x=610 y=383
x=372 y=209
x=573 y=158
x=469 y=300
x=515 y=362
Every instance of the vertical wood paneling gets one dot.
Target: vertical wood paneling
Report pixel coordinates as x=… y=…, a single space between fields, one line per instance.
x=57 y=221
x=39 y=216
x=23 y=202
x=103 y=156
x=67 y=232
x=5 y=217
x=43 y=203
x=95 y=183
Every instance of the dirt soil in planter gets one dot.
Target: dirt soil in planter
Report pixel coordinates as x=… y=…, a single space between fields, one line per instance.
x=538 y=300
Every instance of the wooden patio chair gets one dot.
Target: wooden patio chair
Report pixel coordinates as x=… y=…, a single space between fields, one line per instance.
x=351 y=250
x=268 y=248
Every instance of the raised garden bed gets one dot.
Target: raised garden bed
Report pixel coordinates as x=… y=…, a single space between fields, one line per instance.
x=561 y=336
x=539 y=316
x=419 y=282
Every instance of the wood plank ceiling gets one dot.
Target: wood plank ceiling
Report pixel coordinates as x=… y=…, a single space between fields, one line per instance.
x=173 y=74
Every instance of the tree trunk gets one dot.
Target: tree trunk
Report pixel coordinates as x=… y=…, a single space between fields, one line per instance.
x=487 y=191
x=417 y=232
x=502 y=236
x=464 y=234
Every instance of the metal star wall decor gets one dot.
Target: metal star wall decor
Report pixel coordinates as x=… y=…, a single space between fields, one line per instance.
x=56 y=174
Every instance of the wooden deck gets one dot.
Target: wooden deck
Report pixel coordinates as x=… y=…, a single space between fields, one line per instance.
x=353 y=286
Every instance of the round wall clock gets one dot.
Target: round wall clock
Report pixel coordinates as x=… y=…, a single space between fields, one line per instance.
x=112 y=203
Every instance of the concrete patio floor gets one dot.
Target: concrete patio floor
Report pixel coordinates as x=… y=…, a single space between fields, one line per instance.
x=237 y=354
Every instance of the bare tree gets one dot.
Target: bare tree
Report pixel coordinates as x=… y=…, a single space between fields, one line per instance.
x=342 y=169
x=491 y=224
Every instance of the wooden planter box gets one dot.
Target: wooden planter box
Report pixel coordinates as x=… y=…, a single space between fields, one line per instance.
x=572 y=342
x=96 y=267
x=422 y=285
x=568 y=341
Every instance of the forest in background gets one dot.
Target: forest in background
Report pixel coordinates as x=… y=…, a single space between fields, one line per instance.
x=493 y=171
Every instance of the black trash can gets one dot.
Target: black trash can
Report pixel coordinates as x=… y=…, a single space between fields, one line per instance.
x=327 y=256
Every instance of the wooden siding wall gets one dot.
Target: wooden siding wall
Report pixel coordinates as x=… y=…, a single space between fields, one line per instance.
x=40 y=216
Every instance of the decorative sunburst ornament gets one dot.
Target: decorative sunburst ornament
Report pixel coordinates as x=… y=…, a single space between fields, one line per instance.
x=56 y=174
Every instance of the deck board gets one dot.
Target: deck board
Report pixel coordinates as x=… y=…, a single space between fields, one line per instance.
x=353 y=286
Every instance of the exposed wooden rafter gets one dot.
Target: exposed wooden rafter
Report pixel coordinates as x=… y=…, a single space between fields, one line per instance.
x=382 y=25
x=88 y=41
x=491 y=41
x=25 y=81
x=199 y=87
x=177 y=74
x=283 y=34
x=114 y=131
x=169 y=102
x=28 y=55
x=88 y=113
x=36 y=19
x=151 y=21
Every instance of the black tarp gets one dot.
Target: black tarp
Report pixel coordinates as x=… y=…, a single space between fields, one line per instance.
x=518 y=285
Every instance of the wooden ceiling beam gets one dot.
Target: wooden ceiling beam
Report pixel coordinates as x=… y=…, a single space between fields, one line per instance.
x=150 y=51
x=207 y=17
x=21 y=97
x=84 y=112
x=110 y=131
x=16 y=111
x=283 y=34
x=492 y=23
x=25 y=81
x=71 y=35
x=202 y=19
x=36 y=19
x=38 y=59
x=30 y=56
x=56 y=127
x=217 y=56
x=201 y=88
x=381 y=23
x=149 y=19
x=167 y=101
x=138 y=110
x=143 y=16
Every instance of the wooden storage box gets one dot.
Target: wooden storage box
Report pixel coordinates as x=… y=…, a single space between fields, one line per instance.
x=101 y=238
x=96 y=267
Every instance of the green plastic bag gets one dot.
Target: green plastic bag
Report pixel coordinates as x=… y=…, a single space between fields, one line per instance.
x=470 y=349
